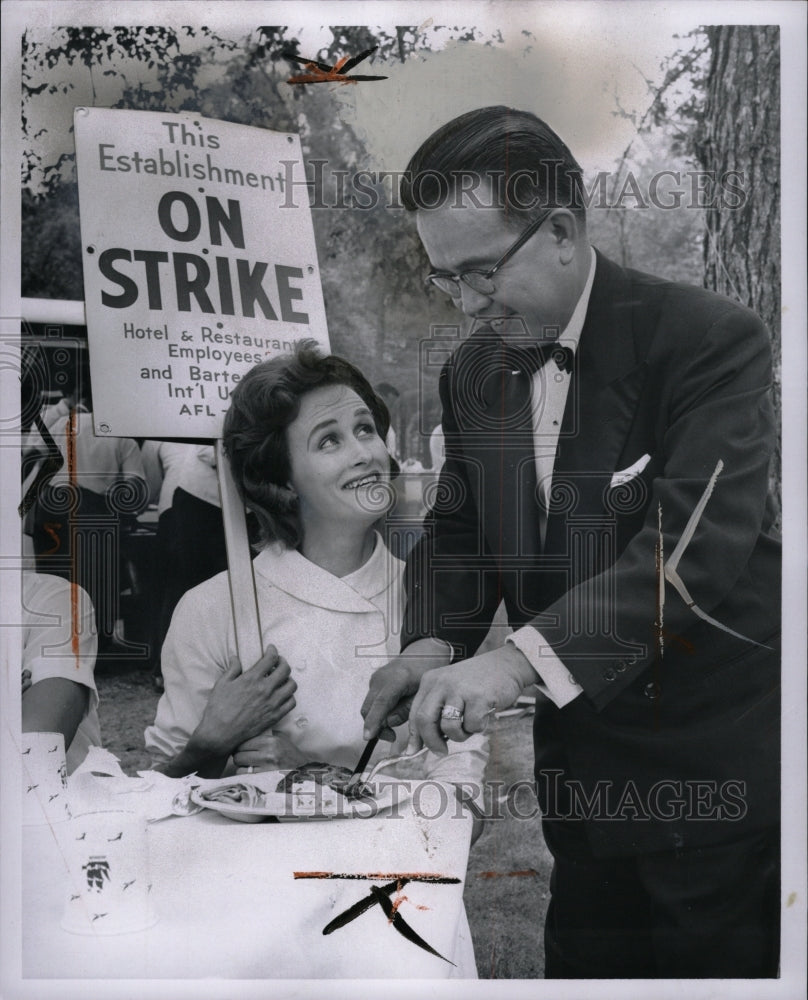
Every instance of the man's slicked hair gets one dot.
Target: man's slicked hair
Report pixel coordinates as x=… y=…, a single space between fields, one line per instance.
x=527 y=165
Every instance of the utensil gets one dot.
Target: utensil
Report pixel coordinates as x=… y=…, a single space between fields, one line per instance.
x=380 y=765
x=356 y=774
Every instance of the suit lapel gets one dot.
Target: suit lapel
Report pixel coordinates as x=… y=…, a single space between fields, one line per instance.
x=504 y=456
x=606 y=384
x=601 y=403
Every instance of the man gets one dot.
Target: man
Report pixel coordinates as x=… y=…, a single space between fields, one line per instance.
x=614 y=493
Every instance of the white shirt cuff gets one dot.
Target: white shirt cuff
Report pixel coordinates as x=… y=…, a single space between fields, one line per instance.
x=556 y=681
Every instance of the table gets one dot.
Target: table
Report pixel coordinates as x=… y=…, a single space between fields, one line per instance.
x=229 y=906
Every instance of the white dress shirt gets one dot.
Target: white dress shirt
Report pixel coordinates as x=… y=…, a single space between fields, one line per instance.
x=548 y=400
x=197 y=475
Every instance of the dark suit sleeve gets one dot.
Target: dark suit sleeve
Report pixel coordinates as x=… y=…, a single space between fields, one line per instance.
x=450 y=579
x=708 y=400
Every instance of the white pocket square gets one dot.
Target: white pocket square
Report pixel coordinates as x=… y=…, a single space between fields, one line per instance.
x=626 y=475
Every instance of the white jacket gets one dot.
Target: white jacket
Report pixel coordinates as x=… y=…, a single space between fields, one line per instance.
x=334 y=632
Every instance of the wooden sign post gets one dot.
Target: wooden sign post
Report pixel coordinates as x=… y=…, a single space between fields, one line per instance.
x=246 y=617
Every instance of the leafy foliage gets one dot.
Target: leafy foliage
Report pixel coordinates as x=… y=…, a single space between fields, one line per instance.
x=102 y=52
x=370 y=258
x=51 y=244
x=641 y=231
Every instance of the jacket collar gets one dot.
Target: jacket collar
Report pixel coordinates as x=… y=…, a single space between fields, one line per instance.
x=289 y=571
x=608 y=380
x=606 y=350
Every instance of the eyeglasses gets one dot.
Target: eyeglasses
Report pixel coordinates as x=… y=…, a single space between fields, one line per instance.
x=480 y=281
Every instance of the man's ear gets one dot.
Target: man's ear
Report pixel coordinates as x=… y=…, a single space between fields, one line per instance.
x=565 y=232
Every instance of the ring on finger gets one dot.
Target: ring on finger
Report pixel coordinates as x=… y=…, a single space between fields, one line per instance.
x=451 y=712
x=250 y=769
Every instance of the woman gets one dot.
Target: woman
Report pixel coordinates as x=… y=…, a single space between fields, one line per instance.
x=305 y=436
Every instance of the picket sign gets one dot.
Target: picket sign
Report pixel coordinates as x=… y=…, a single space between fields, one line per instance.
x=199 y=262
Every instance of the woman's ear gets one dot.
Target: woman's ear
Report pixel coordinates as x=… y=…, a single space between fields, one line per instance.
x=285 y=498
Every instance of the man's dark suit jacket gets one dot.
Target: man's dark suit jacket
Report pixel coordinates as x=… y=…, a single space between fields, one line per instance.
x=675 y=738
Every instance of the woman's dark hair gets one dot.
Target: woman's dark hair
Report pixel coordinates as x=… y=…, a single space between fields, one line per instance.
x=262 y=406
x=528 y=166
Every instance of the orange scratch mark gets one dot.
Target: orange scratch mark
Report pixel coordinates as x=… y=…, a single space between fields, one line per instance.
x=659 y=559
x=523 y=873
x=51 y=529
x=382 y=876
x=686 y=644
x=402 y=898
x=70 y=430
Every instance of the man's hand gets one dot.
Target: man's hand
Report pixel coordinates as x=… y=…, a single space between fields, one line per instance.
x=243 y=705
x=393 y=686
x=476 y=688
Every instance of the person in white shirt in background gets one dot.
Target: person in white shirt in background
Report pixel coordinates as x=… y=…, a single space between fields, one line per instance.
x=101 y=483
x=58 y=663
x=437 y=448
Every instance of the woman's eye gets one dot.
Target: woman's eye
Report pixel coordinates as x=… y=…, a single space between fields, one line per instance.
x=328 y=441
x=366 y=430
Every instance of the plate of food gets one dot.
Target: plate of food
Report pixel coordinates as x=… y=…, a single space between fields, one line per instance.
x=316 y=790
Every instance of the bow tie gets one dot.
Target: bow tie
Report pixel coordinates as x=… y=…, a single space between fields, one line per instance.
x=531 y=356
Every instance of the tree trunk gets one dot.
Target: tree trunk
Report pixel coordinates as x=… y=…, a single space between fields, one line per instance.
x=740 y=132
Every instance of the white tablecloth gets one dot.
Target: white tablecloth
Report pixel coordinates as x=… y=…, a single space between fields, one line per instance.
x=229 y=906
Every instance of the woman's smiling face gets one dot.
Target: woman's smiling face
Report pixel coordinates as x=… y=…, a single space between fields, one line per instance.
x=337 y=460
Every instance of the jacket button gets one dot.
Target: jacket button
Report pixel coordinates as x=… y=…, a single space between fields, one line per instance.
x=609 y=674
x=620 y=667
x=651 y=690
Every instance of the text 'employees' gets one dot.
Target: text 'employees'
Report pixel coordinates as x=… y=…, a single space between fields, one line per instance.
x=222 y=286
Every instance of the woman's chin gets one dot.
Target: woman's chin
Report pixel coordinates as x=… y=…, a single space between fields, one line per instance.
x=374 y=501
